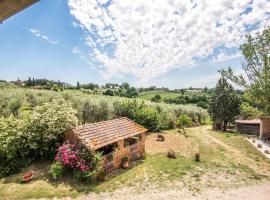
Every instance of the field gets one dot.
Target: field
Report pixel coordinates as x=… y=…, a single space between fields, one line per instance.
x=227 y=161
x=148 y=95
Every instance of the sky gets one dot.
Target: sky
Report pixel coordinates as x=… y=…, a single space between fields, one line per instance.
x=170 y=43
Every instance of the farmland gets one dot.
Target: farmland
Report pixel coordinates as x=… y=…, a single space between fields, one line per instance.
x=228 y=161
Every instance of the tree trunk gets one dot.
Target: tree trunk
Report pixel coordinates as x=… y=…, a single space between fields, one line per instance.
x=225 y=126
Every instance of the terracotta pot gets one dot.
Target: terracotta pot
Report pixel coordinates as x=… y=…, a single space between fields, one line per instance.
x=27 y=177
x=125 y=164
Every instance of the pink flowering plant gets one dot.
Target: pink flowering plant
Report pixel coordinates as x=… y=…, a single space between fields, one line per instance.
x=82 y=162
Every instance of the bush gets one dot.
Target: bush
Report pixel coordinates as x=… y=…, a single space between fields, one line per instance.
x=203 y=105
x=183 y=121
x=47 y=125
x=57 y=170
x=249 y=112
x=149 y=118
x=156 y=98
x=166 y=120
x=14 y=151
x=127 y=108
x=84 y=164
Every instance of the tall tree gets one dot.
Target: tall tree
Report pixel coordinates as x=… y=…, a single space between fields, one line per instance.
x=224 y=105
x=256 y=53
x=78 y=85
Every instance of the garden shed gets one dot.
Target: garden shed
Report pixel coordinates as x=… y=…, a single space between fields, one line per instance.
x=248 y=126
x=116 y=139
x=260 y=126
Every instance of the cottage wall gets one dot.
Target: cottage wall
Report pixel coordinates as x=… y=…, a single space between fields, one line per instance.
x=133 y=152
x=265 y=128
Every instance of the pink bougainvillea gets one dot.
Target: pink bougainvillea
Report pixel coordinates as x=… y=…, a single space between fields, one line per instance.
x=69 y=155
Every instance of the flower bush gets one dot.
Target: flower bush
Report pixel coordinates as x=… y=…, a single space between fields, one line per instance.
x=79 y=160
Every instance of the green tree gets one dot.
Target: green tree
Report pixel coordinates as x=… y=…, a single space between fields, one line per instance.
x=256 y=53
x=88 y=111
x=78 y=85
x=15 y=105
x=183 y=121
x=249 y=112
x=125 y=86
x=108 y=92
x=156 y=98
x=224 y=105
x=182 y=91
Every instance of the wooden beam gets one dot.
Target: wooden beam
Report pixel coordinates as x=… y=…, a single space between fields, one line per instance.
x=9 y=8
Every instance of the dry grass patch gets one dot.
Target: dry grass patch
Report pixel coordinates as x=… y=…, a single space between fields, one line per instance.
x=173 y=141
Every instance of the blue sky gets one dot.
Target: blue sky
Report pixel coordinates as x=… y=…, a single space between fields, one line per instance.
x=121 y=41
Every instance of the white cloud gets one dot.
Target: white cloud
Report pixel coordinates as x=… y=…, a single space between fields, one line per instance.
x=76 y=50
x=38 y=33
x=152 y=37
x=223 y=57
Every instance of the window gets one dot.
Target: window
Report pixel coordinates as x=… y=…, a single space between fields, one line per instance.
x=132 y=140
x=108 y=149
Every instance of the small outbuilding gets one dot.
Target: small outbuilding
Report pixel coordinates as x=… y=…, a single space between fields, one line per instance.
x=117 y=139
x=248 y=126
x=260 y=127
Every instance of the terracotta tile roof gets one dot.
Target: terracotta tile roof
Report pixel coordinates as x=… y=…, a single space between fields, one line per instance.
x=97 y=135
x=251 y=121
x=11 y=7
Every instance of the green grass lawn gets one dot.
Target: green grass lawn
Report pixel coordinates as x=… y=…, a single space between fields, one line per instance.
x=226 y=162
x=148 y=95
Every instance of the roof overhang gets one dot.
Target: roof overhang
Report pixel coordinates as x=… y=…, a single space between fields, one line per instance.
x=9 y=8
x=249 y=122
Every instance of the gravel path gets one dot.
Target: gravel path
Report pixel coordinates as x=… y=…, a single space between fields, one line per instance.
x=255 y=192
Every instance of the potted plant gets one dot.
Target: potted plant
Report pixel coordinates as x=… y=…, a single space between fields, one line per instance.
x=125 y=163
x=27 y=177
x=197 y=157
x=160 y=138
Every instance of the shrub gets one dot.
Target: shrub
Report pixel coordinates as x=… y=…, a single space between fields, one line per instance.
x=57 y=170
x=249 y=112
x=84 y=164
x=183 y=121
x=15 y=105
x=149 y=118
x=128 y=108
x=14 y=151
x=89 y=112
x=47 y=125
x=166 y=120
x=156 y=98
x=203 y=105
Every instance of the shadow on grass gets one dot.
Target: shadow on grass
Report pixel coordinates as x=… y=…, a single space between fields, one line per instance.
x=41 y=172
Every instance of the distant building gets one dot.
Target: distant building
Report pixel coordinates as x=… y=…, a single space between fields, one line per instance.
x=18 y=83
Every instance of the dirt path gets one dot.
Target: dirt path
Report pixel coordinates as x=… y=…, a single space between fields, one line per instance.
x=235 y=153
x=258 y=192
